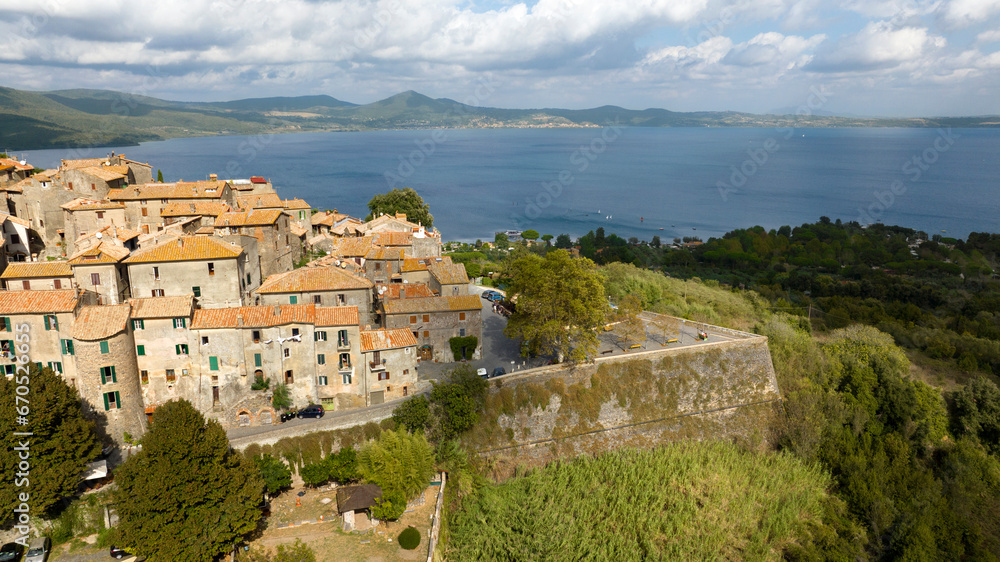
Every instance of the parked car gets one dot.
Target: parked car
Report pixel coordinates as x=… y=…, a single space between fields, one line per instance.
x=11 y=552
x=38 y=550
x=489 y=294
x=289 y=415
x=482 y=372
x=124 y=554
x=498 y=371
x=313 y=411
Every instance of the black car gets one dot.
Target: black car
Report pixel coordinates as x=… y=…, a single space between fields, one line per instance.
x=122 y=554
x=11 y=552
x=498 y=371
x=314 y=411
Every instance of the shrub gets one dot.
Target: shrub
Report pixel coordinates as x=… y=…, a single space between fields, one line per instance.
x=390 y=506
x=409 y=539
x=281 y=399
x=260 y=383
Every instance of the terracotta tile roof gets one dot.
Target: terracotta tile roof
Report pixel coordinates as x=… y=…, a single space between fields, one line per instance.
x=297 y=230
x=351 y=247
x=374 y=340
x=106 y=173
x=384 y=254
x=211 y=189
x=37 y=269
x=348 y=228
x=195 y=208
x=81 y=163
x=264 y=316
x=388 y=220
x=295 y=204
x=414 y=264
x=11 y=163
x=100 y=322
x=119 y=232
x=37 y=302
x=254 y=218
x=101 y=253
x=162 y=307
x=448 y=273
x=313 y=279
x=84 y=204
x=15 y=220
x=337 y=316
x=393 y=238
x=16 y=187
x=206 y=230
x=250 y=201
x=433 y=304
x=186 y=248
x=327 y=219
x=413 y=290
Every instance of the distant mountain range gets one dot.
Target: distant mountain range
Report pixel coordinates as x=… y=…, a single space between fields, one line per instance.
x=81 y=118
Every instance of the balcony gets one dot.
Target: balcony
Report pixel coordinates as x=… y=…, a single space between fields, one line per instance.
x=377 y=365
x=343 y=344
x=345 y=367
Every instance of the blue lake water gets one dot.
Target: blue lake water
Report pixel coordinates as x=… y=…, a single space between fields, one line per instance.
x=632 y=181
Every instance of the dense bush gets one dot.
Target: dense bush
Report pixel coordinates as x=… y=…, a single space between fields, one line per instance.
x=409 y=538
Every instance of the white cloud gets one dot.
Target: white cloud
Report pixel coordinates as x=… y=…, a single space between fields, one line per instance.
x=963 y=13
x=876 y=47
x=991 y=36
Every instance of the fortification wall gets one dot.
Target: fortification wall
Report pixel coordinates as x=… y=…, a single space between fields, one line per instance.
x=726 y=389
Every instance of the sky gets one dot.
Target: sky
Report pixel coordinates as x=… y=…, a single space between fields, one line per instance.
x=845 y=57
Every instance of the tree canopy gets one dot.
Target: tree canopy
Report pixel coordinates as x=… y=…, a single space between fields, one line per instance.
x=398 y=462
x=405 y=200
x=61 y=444
x=186 y=495
x=560 y=303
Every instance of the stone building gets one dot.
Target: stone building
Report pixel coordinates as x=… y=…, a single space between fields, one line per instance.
x=134 y=172
x=433 y=321
x=145 y=204
x=13 y=171
x=299 y=212
x=100 y=273
x=48 y=318
x=324 y=286
x=19 y=241
x=213 y=270
x=12 y=200
x=164 y=347
x=86 y=216
x=107 y=372
x=94 y=181
x=383 y=265
x=390 y=364
x=448 y=278
x=277 y=247
x=205 y=211
x=37 y=276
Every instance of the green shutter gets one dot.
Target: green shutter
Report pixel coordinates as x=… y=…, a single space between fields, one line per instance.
x=104 y=380
x=114 y=377
x=177 y=349
x=55 y=322
x=118 y=399
x=293 y=299
x=64 y=349
x=106 y=406
x=213 y=363
x=47 y=325
x=197 y=291
x=69 y=344
x=104 y=347
x=6 y=323
x=140 y=350
x=256 y=360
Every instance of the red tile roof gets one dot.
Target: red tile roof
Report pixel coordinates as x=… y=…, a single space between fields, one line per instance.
x=37 y=269
x=162 y=307
x=38 y=302
x=267 y=316
x=313 y=279
x=413 y=290
x=254 y=218
x=101 y=322
x=212 y=189
x=375 y=340
x=450 y=303
x=101 y=253
x=187 y=248
x=337 y=316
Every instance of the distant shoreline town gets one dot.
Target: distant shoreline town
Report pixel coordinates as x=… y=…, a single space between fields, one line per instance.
x=138 y=292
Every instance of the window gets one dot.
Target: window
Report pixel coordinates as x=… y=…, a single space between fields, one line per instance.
x=112 y=401
x=56 y=366
x=345 y=360
x=26 y=285
x=287 y=352
x=317 y=299
x=321 y=359
x=196 y=291
x=376 y=357
x=295 y=332
x=302 y=215
x=256 y=360
x=413 y=319
x=319 y=336
x=293 y=299
x=383 y=376
x=248 y=278
x=144 y=377
x=181 y=349
x=416 y=335
x=256 y=336
x=427 y=334
x=51 y=323
x=180 y=322
x=289 y=379
x=347 y=378
x=145 y=229
x=104 y=347
x=93 y=187
x=140 y=350
x=461 y=316
x=461 y=332
x=171 y=376
x=156 y=272
x=67 y=347
x=57 y=284
x=5 y=324
x=108 y=375
x=211 y=268
x=145 y=212
x=157 y=292
x=213 y=363
x=378 y=266
x=15 y=239
x=341 y=300
x=342 y=338
x=138 y=324
x=100 y=214
x=406 y=372
x=321 y=380
x=427 y=318
x=204 y=340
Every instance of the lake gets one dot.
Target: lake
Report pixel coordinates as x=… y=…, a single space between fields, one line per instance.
x=671 y=182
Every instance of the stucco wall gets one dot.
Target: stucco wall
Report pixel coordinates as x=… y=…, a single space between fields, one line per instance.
x=179 y=278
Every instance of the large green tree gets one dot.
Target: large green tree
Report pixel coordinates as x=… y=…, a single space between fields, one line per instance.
x=61 y=444
x=397 y=461
x=275 y=473
x=405 y=200
x=559 y=304
x=977 y=412
x=186 y=495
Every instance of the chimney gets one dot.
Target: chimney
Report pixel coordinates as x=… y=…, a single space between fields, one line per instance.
x=239 y=320
x=402 y=293
x=213 y=177
x=277 y=310
x=180 y=242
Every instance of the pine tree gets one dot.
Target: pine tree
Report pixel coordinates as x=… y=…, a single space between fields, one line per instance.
x=61 y=444
x=187 y=495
